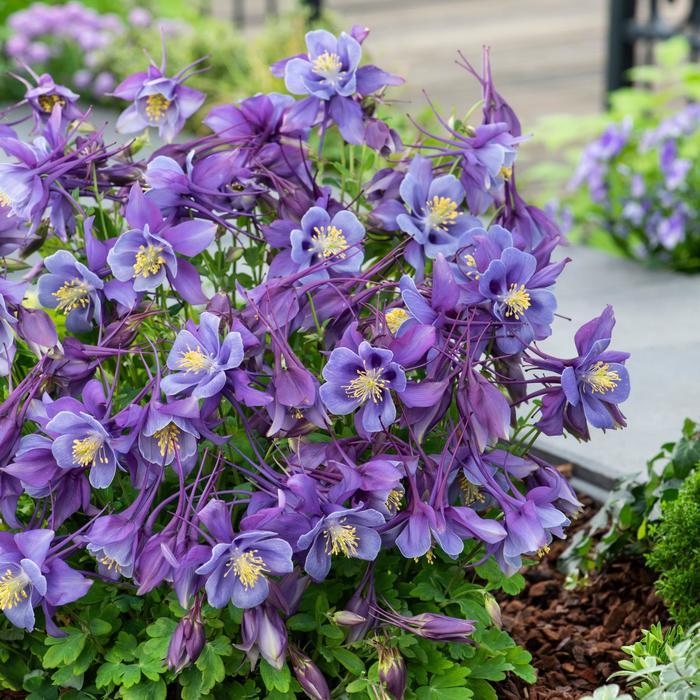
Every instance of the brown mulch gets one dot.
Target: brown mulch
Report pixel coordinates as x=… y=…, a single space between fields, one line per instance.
x=575 y=636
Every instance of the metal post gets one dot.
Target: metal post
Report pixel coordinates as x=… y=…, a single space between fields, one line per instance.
x=620 y=43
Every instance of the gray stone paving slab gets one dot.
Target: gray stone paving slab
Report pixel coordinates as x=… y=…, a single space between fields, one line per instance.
x=658 y=322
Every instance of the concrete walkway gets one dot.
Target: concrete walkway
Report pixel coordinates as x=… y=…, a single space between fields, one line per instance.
x=658 y=322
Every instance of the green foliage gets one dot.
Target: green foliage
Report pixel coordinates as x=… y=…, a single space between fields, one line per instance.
x=675 y=553
x=622 y=525
x=663 y=666
x=116 y=642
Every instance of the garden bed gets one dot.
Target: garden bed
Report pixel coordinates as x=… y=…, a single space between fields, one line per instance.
x=575 y=635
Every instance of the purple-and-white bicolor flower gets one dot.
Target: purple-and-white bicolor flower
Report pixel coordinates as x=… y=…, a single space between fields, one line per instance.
x=145 y=256
x=28 y=576
x=72 y=288
x=434 y=221
x=237 y=571
x=364 y=380
x=83 y=442
x=157 y=101
x=335 y=239
x=199 y=360
x=350 y=532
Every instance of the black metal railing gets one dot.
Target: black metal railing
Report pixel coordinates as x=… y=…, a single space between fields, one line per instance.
x=239 y=11
x=637 y=25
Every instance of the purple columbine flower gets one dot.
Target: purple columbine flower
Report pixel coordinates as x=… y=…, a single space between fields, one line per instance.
x=364 y=380
x=165 y=436
x=324 y=238
x=519 y=292
x=329 y=69
x=73 y=289
x=187 y=641
x=434 y=221
x=46 y=95
x=200 y=360
x=83 y=442
x=27 y=577
x=592 y=384
x=112 y=540
x=350 y=532
x=158 y=101
x=330 y=74
x=145 y=256
x=237 y=571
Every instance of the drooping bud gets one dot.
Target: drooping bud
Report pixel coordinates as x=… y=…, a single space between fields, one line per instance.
x=187 y=641
x=392 y=671
x=309 y=675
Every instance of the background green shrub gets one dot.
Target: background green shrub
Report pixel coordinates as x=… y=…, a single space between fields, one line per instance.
x=675 y=553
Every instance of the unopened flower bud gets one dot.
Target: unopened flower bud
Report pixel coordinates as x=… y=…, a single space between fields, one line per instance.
x=392 y=671
x=348 y=618
x=187 y=641
x=309 y=676
x=493 y=609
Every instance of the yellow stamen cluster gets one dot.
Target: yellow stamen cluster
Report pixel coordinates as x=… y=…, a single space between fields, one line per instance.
x=341 y=539
x=89 y=451
x=601 y=378
x=367 y=385
x=194 y=360
x=542 y=552
x=5 y=201
x=247 y=567
x=517 y=300
x=470 y=261
x=12 y=588
x=73 y=294
x=329 y=240
x=506 y=173
x=148 y=260
x=110 y=564
x=156 y=107
x=429 y=557
x=168 y=439
x=393 y=500
x=47 y=102
x=442 y=212
x=395 y=318
x=470 y=492
x=327 y=65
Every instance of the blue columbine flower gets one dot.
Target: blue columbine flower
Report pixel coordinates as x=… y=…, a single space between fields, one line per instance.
x=237 y=570
x=324 y=238
x=350 y=532
x=145 y=256
x=7 y=338
x=73 y=289
x=200 y=360
x=29 y=576
x=364 y=380
x=434 y=221
x=157 y=101
x=83 y=442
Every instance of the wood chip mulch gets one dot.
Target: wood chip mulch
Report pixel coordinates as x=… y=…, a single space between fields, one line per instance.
x=575 y=636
